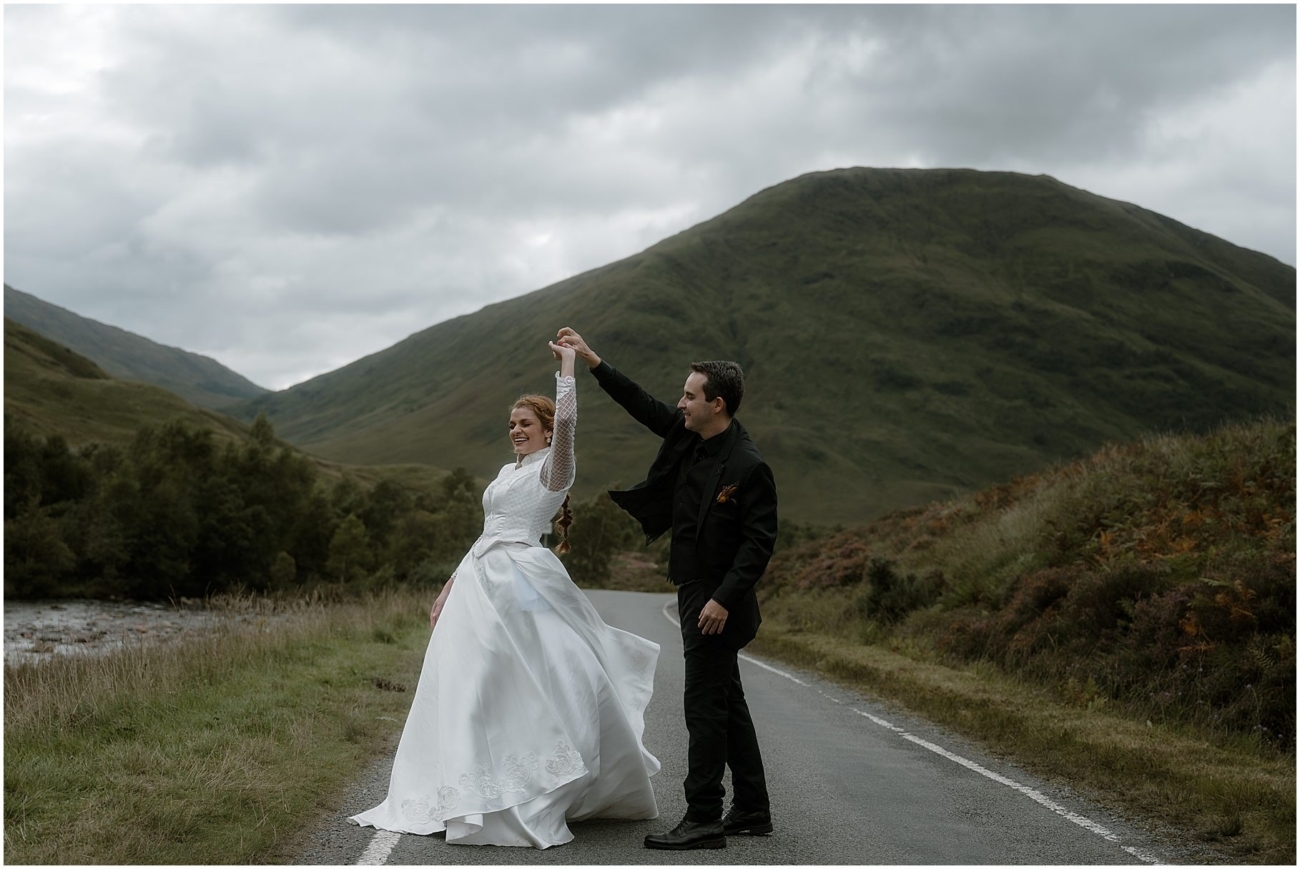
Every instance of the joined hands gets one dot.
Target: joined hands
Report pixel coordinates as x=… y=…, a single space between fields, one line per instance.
x=566 y=337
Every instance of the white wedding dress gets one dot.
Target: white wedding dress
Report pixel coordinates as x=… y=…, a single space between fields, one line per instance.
x=530 y=709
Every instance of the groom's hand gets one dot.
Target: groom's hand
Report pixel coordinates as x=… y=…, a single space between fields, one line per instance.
x=568 y=338
x=712 y=617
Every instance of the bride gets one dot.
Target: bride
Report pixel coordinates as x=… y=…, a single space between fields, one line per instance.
x=530 y=709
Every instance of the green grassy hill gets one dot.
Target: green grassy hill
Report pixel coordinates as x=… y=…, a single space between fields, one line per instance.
x=1125 y=622
x=195 y=378
x=51 y=390
x=908 y=335
x=1116 y=569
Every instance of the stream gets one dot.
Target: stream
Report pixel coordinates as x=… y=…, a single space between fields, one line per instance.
x=38 y=630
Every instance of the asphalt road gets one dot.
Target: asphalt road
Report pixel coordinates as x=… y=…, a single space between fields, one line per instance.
x=852 y=781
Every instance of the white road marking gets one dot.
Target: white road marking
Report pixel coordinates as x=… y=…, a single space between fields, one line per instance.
x=759 y=663
x=1034 y=795
x=376 y=853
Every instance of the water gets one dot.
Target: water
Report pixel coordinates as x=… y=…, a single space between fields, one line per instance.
x=38 y=630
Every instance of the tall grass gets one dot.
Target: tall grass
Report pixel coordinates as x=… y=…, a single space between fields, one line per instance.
x=1152 y=583
x=1161 y=573
x=217 y=748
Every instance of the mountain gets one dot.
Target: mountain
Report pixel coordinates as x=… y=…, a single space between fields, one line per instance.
x=907 y=335
x=50 y=390
x=195 y=378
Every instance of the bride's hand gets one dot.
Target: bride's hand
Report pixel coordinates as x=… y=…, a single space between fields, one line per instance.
x=563 y=352
x=566 y=355
x=436 y=609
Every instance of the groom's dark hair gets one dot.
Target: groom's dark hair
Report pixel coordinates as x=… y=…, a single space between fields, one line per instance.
x=724 y=379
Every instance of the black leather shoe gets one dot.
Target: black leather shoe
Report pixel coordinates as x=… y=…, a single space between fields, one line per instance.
x=753 y=823
x=688 y=835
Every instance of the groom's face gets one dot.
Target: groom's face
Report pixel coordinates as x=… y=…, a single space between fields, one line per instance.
x=697 y=411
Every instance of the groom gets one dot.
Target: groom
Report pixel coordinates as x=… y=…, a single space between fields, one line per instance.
x=710 y=486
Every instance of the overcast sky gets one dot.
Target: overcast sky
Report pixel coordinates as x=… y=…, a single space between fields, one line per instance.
x=290 y=188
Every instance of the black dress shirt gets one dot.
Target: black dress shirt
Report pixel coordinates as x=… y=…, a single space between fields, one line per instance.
x=688 y=493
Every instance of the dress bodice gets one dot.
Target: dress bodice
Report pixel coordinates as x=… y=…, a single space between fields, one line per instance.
x=519 y=504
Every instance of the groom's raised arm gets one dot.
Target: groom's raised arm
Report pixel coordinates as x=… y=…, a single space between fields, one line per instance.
x=641 y=405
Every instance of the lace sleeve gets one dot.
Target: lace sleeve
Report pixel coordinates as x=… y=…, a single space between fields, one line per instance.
x=557 y=469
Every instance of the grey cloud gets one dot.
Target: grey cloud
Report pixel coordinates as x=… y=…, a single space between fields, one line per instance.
x=971 y=84
x=377 y=168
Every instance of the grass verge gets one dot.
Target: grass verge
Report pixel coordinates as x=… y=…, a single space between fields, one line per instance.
x=1231 y=797
x=215 y=750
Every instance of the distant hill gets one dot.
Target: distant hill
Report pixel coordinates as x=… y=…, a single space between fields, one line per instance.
x=907 y=335
x=50 y=390
x=195 y=378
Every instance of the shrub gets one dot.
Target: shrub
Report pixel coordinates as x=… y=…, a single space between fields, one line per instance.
x=600 y=529
x=1158 y=576
x=888 y=597
x=842 y=563
x=176 y=514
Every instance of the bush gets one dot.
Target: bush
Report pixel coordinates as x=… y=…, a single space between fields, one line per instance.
x=36 y=557
x=1158 y=576
x=1212 y=651
x=175 y=514
x=600 y=529
x=431 y=574
x=843 y=562
x=889 y=597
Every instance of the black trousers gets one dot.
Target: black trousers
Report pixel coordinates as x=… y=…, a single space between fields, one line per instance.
x=717 y=720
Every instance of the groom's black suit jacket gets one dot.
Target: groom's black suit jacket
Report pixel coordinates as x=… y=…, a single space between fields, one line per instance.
x=736 y=528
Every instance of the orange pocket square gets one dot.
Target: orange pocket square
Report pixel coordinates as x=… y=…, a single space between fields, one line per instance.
x=725 y=495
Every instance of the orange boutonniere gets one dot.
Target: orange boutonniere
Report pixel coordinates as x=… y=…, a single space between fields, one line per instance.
x=725 y=495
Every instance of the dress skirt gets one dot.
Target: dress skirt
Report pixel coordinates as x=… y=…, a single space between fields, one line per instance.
x=529 y=712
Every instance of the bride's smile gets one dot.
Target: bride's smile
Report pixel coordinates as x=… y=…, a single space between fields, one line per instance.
x=527 y=434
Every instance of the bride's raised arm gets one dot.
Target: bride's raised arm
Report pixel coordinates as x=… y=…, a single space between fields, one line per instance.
x=558 y=468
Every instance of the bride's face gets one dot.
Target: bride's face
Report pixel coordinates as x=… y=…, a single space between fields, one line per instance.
x=526 y=433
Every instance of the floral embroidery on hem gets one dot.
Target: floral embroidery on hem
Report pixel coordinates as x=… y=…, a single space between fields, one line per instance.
x=421 y=812
x=518 y=772
x=564 y=761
